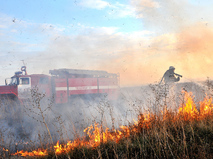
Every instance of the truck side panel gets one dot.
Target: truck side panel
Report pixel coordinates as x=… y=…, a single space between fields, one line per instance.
x=68 y=88
x=83 y=86
x=43 y=82
x=61 y=90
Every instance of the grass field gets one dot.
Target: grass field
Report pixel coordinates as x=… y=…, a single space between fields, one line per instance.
x=167 y=133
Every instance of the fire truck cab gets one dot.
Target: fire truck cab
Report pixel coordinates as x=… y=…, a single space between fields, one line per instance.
x=22 y=84
x=19 y=86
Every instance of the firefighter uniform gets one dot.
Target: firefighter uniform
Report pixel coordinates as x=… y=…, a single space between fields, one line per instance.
x=169 y=76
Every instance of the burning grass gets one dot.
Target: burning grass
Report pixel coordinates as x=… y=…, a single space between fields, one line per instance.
x=187 y=133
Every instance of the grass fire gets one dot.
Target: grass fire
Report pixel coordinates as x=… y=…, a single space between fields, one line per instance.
x=184 y=133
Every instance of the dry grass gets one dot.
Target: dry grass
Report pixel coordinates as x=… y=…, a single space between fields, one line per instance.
x=164 y=135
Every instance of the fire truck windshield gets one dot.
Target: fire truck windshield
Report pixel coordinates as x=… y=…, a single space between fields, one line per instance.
x=13 y=81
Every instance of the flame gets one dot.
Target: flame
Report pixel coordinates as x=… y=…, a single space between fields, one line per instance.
x=188 y=110
x=206 y=107
x=5 y=149
x=97 y=134
x=38 y=152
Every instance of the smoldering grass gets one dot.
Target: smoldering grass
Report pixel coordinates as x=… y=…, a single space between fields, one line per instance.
x=165 y=138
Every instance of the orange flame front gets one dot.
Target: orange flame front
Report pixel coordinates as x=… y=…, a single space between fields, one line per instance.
x=188 y=109
x=95 y=135
x=38 y=152
x=206 y=107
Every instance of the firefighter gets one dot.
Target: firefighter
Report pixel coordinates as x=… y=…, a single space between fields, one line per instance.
x=170 y=76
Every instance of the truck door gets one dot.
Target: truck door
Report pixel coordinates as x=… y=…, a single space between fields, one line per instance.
x=24 y=87
x=44 y=86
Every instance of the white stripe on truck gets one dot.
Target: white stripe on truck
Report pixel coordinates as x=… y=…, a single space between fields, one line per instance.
x=85 y=88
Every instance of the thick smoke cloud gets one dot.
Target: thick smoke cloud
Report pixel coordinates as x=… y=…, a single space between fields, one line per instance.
x=190 y=50
x=179 y=38
x=111 y=52
x=195 y=50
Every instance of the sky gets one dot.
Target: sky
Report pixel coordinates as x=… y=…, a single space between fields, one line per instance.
x=139 y=39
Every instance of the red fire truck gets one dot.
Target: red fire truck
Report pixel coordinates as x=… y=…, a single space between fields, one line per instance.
x=63 y=84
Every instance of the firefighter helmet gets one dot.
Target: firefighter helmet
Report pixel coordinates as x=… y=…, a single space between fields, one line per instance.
x=171 y=68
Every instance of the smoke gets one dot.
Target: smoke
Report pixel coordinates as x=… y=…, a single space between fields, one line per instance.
x=138 y=62
x=171 y=34
x=134 y=56
x=163 y=15
x=27 y=125
x=176 y=38
x=190 y=49
x=195 y=50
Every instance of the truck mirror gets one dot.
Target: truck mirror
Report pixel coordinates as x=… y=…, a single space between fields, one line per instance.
x=6 y=82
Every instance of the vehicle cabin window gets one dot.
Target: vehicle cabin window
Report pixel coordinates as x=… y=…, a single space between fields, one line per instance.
x=24 y=81
x=44 y=80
